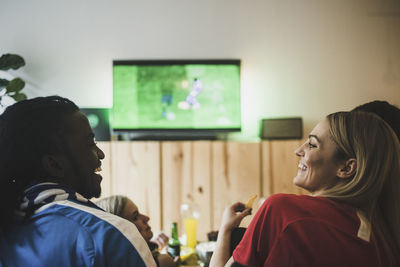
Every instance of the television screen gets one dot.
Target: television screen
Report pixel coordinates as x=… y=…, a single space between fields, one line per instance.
x=176 y=95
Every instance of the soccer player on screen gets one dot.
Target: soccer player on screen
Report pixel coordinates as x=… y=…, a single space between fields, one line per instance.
x=191 y=99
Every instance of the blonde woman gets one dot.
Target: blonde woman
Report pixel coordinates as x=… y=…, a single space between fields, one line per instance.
x=125 y=208
x=351 y=166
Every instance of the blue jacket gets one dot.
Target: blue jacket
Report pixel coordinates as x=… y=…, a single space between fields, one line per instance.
x=68 y=230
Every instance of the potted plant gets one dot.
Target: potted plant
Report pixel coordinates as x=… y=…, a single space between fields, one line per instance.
x=11 y=88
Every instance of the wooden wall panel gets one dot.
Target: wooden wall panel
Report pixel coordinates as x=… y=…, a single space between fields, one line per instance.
x=106 y=169
x=284 y=162
x=266 y=169
x=136 y=174
x=160 y=176
x=236 y=175
x=175 y=169
x=186 y=179
x=201 y=171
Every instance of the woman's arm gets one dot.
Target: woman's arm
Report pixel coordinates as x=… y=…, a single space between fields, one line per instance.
x=231 y=219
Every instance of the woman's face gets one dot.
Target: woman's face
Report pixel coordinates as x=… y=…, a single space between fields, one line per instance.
x=317 y=167
x=132 y=214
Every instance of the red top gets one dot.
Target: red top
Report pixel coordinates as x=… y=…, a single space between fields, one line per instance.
x=298 y=230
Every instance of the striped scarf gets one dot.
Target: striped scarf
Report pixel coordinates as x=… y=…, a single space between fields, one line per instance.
x=35 y=198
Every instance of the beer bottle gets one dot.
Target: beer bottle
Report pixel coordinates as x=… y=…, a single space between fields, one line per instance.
x=174 y=246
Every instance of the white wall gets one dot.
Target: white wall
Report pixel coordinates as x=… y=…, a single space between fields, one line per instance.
x=299 y=57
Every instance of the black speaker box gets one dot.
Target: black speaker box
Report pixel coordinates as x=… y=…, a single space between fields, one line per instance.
x=282 y=128
x=99 y=120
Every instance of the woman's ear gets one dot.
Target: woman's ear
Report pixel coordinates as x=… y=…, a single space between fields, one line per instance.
x=348 y=169
x=53 y=166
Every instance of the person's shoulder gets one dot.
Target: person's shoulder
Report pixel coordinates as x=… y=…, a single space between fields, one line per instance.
x=72 y=210
x=283 y=207
x=298 y=200
x=92 y=231
x=309 y=210
x=94 y=221
x=282 y=196
x=319 y=237
x=292 y=207
x=288 y=199
x=107 y=229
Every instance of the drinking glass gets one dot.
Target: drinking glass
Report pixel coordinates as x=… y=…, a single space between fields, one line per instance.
x=190 y=214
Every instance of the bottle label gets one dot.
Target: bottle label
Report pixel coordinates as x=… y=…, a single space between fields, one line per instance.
x=174 y=250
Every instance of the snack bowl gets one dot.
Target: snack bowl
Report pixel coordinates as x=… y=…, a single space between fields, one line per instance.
x=205 y=250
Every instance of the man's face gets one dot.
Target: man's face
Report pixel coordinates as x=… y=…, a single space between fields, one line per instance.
x=82 y=157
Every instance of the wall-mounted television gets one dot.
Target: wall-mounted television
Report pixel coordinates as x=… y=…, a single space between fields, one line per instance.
x=160 y=99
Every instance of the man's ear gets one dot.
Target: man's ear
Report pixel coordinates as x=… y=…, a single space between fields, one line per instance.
x=348 y=169
x=53 y=166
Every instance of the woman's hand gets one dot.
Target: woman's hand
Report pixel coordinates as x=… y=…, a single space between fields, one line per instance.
x=160 y=239
x=233 y=215
x=231 y=219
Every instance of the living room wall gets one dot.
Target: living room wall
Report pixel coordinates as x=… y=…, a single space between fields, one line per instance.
x=302 y=58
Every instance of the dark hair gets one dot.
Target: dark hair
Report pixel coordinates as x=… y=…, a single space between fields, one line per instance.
x=388 y=112
x=29 y=129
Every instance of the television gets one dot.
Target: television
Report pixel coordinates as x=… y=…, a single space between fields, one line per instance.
x=176 y=99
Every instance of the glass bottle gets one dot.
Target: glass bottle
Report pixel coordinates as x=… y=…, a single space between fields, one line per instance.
x=174 y=246
x=190 y=214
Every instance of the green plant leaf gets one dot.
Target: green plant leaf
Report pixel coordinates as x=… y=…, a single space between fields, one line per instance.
x=3 y=83
x=11 y=61
x=19 y=96
x=15 y=85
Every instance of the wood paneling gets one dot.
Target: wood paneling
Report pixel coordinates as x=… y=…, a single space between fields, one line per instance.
x=236 y=176
x=280 y=166
x=186 y=179
x=201 y=172
x=175 y=172
x=266 y=169
x=136 y=174
x=160 y=176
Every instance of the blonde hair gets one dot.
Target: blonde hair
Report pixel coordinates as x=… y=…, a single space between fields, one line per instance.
x=113 y=204
x=375 y=187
